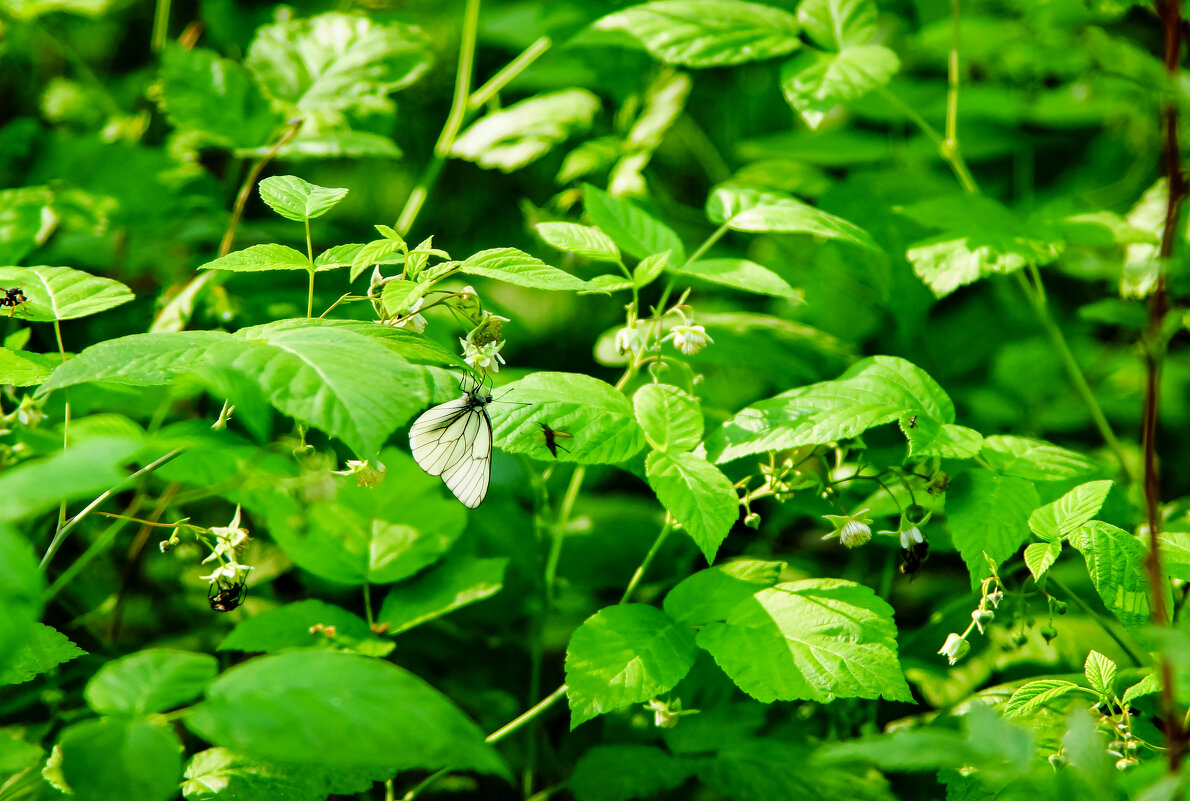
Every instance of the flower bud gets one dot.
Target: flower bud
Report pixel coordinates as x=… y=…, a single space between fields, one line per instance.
x=955 y=648
x=752 y=520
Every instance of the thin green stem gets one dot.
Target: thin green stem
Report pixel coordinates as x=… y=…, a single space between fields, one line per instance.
x=506 y=75
x=160 y=26
x=666 y=527
x=310 y=297
x=368 y=616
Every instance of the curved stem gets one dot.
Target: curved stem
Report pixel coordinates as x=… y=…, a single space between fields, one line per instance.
x=666 y=527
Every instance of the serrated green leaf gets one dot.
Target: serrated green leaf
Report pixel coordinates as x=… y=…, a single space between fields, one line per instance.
x=1175 y=553
x=520 y=134
x=23 y=369
x=739 y=274
x=711 y=594
x=21 y=584
x=201 y=92
x=873 y=391
x=649 y=268
x=62 y=293
x=331 y=709
x=44 y=649
x=697 y=495
x=261 y=258
x=607 y=283
x=927 y=437
x=218 y=774
x=516 y=267
x=600 y=419
x=743 y=208
x=449 y=586
x=306 y=624
x=379 y=251
x=1035 y=459
x=670 y=418
x=625 y=772
x=1101 y=673
x=815 y=82
x=624 y=655
x=115 y=760
x=298 y=200
x=1054 y=520
x=1040 y=557
x=706 y=33
x=153 y=680
x=837 y=24
x=816 y=639
x=1036 y=694
x=137 y=360
x=1147 y=686
x=988 y=514
x=636 y=231
x=1116 y=563
x=581 y=240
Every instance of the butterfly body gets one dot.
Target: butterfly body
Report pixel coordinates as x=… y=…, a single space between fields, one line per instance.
x=454 y=440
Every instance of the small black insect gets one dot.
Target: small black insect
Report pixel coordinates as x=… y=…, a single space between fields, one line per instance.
x=913 y=557
x=913 y=421
x=226 y=597
x=11 y=298
x=551 y=438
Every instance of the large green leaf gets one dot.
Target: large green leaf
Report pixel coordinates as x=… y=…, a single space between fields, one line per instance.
x=763 y=769
x=138 y=360
x=306 y=624
x=874 y=391
x=21 y=584
x=815 y=82
x=815 y=639
x=745 y=208
x=261 y=258
x=625 y=772
x=62 y=293
x=697 y=495
x=43 y=650
x=637 y=232
x=1035 y=459
x=600 y=419
x=512 y=137
x=149 y=681
x=739 y=274
x=837 y=24
x=116 y=760
x=670 y=418
x=218 y=774
x=980 y=237
x=298 y=200
x=987 y=513
x=1054 y=520
x=584 y=241
x=706 y=33
x=216 y=97
x=332 y=709
x=23 y=369
x=624 y=655
x=82 y=471
x=711 y=594
x=513 y=266
x=1116 y=562
x=449 y=586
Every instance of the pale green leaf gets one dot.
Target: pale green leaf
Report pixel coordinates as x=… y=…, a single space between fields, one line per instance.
x=216 y=97
x=137 y=360
x=929 y=438
x=815 y=639
x=1040 y=557
x=1116 y=563
x=624 y=655
x=670 y=418
x=706 y=33
x=305 y=624
x=665 y=101
x=815 y=82
x=513 y=266
x=581 y=240
x=1101 y=673
x=697 y=495
x=1035 y=459
x=512 y=137
x=23 y=369
x=607 y=283
x=1055 y=520
x=333 y=143
x=1147 y=686
x=298 y=200
x=116 y=760
x=62 y=293
x=1175 y=553
x=260 y=258
x=145 y=682
x=379 y=251
x=625 y=772
x=218 y=774
x=1036 y=694
x=712 y=593
x=636 y=231
x=743 y=208
x=43 y=650
x=837 y=24
x=739 y=274
x=987 y=513
x=649 y=268
x=449 y=586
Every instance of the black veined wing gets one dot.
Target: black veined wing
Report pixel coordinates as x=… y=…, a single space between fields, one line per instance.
x=454 y=440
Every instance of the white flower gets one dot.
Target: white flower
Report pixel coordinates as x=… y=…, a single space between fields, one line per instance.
x=365 y=474
x=484 y=357
x=412 y=319
x=228 y=573
x=955 y=648
x=627 y=339
x=689 y=339
x=911 y=536
x=981 y=616
x=228 y=539
x=666 y=713
x=852 y=530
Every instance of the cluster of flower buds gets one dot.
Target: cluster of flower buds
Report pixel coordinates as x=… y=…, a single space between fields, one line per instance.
x=991 y=594
x=481 y=348
x=228 y=539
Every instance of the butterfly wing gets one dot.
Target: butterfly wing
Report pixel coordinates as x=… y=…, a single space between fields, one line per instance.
x=468 y=478
x=454 y=440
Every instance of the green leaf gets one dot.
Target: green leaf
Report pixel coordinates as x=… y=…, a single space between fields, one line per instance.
x=449 y=586
x=581 y=240
x=873 y=391
x=816 y=639
x=608 y=283
x=21 y=228
x=625 y=772
x=378 y=251
x=743 y=208
x=63 y=293
x=600 y=419
x=298 y=200
x=333 y=709
x=1101 y=674
x=17 y=755
x=929 y=438
x=154 y=680
x=647 y=270
x=520 y=134
x=294 y=626
x=837 y=24
x=740 y=274
x=42 y=651
x=815 y=82
x=115 y=760
x=670 y=418
x=763 y=769
x=706 y=33
x=218 y=774
x=1054 y=520
x=1116 y=563
x=980 y=237
x=201 y=92
x=337 y=62
x=712 y=593
x=638 y=233
x=21 y=584
x=516 y=267
x=82 y=471
x=137 y=360
x=1035 y=459
x=1147 y=686
x=988 y=514
x=25 y=369
x=260 y=258
x=1036 y=694
x=624 y=655
x=697 y=495
x=1040 y=557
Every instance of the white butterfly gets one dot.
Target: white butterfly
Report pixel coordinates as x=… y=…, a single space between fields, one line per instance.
x=454 y=440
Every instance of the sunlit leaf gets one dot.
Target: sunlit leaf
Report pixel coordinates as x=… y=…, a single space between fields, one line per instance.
x=62 y=293
x=199 y=91
x=743 y=208
x=298 y=200
x=696 y=494
x=512 y=137
x=452 y=585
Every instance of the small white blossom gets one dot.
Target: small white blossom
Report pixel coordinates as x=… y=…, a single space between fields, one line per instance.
x=627 y=339
x=365 y=474
x=412 y=320
x=955 y=648
x=228 y=539
x=484 y=357
x=228 y=573
x=852 y=530
x=911 y=536
x=981 y=616
x=689 y=339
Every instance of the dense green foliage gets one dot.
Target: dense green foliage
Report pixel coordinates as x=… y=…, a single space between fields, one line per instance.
x=818 y=333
